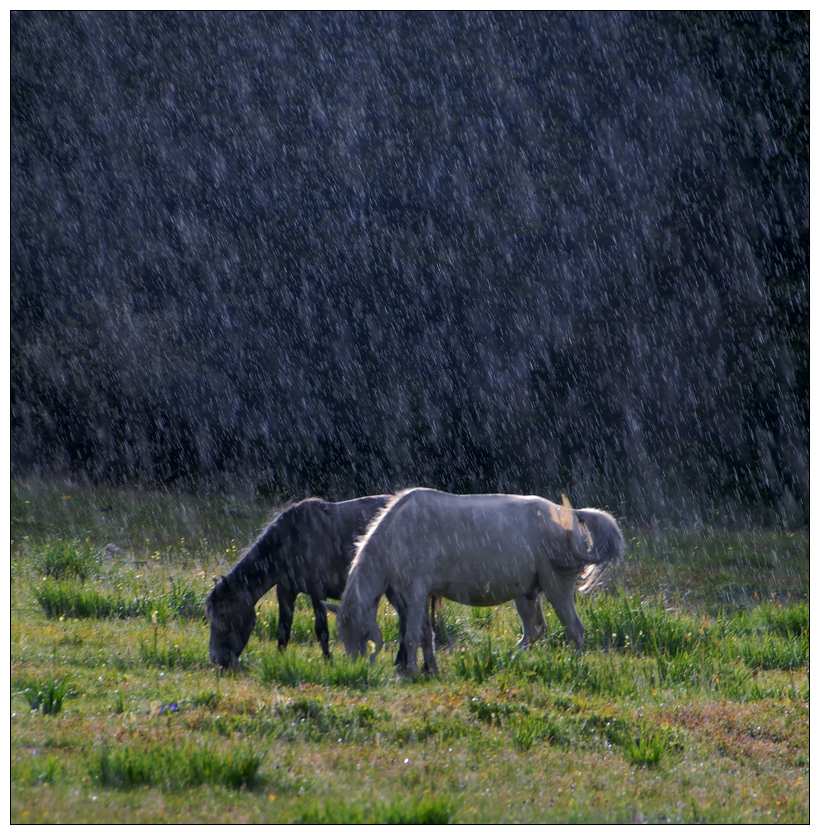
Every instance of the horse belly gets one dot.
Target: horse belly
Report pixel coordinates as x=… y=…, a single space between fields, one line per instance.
x=487 y=579
x=486 y=596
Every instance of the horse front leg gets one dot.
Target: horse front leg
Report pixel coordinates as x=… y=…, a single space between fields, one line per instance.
x=320 y=617
x=287 y=599
x=414 y=635
x=532 y=619
x=429 y=642
x=559 y=587
x=398 y=604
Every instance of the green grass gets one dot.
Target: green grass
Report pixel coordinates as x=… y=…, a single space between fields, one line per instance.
x=689 y=703
x=37 y=771
x=65 y=559
x=191 y=655
x=302 y=627
x=493 y=712
x=67 y=599
x=292 y=669
x=311 y=718
x=424 y=810
x=71 y=599
x=171 y=767
x=774 y=652
x=46 y=696
x=640 y=743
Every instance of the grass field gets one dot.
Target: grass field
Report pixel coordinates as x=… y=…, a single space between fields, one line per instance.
x=690 y=703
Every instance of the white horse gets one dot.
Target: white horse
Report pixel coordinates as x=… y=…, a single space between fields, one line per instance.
x=480 y=550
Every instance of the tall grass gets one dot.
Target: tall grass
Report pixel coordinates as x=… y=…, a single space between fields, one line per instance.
x=493 y=713
x=549 y=666
x=639 y=743
x=64 y=598
x=625 y=623
x=301 y=631
x=313 y=719
x=46 y=696
x=174 y=656
x=174 y=767
x=72 y=599
x=422 y=810
x=63 y=559
x=184 y=601
x=527 y=730
x=37 y=771
x=481 y=663
x=291 y=669
x=790 y=621
x=775 y=652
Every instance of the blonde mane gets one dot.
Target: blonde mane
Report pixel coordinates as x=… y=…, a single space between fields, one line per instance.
x=374 y=523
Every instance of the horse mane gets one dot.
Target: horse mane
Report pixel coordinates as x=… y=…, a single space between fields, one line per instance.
x=374 y=523
x=277 y=514
x=290 y=505
x=249 y=560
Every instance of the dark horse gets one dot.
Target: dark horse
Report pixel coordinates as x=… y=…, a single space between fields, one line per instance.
x=306 y=549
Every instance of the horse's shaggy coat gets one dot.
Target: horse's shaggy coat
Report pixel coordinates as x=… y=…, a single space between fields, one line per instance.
x=480 y=550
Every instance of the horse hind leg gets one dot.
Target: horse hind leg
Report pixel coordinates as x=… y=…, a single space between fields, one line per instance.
x=439 y=626
x=286 y=599
x=532 y=619
x=429 y=642
x=322 y=631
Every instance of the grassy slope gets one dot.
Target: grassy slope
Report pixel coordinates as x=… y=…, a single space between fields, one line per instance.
x=698 y=711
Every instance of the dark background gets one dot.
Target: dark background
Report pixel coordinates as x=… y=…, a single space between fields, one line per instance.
x=346 y=253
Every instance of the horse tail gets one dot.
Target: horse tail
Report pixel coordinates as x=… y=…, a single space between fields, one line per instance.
x=606 y=546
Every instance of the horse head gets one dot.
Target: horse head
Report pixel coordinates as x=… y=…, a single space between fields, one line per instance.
x=357 y=627
x=231 y=613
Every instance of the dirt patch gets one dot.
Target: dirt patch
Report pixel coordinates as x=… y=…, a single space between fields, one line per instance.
x=743 y=732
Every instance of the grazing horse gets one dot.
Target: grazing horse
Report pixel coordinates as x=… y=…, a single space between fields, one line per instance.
x=480 y=550
x=306 y=548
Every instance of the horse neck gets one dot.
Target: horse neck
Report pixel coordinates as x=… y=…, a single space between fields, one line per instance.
x=367 y=580
x=255 y=572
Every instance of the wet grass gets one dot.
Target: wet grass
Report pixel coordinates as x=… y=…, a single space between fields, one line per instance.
x=425 y=810
x=64 y=598
x=47 y=696
x=292 y=669
x=37 y=771
x=190 y=655
x=689 y=703
x=314 y=719
x=66 y=559
x=72 y=599
x=174 y=768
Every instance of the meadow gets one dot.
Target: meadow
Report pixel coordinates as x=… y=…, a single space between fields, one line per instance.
x=690 y=703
